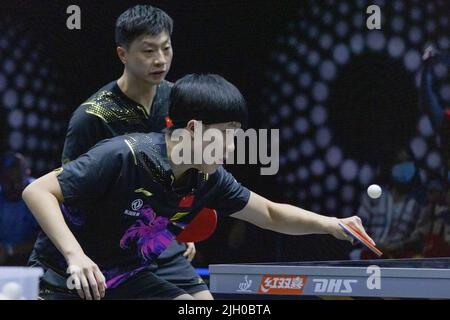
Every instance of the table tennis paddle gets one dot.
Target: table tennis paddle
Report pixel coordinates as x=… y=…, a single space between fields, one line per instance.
x=200 y=228
x=355 y=233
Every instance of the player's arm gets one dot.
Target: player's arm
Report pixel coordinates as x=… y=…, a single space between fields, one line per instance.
x=292 y=220
x=43 y=198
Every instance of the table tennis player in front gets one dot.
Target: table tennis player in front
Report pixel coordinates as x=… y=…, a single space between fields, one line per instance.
x=113 y=210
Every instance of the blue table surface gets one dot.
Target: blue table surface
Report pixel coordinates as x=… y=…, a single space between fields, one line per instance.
x=431 y=263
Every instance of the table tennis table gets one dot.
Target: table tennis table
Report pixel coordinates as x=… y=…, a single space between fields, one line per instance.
x=403 y=278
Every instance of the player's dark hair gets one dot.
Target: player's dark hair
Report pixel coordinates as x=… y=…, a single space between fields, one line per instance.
x=140 y=20
x=208 y=98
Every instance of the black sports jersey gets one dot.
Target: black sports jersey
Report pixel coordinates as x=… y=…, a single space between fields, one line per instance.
x=106 y=114
x=120 y=202
x=109 y=113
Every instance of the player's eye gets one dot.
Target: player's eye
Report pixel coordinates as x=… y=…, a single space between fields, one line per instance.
x=167 y=48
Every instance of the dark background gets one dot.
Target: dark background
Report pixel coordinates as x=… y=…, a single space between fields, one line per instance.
x=372 y=105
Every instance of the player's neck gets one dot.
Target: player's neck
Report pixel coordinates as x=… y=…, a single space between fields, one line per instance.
x=137 y=90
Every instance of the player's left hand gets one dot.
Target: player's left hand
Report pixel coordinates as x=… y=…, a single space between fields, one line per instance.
x=339 y=233
x=190 y=251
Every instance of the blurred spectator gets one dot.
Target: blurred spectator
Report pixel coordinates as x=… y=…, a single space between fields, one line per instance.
x=18 y=227
x=435 y=225
x=429 y=102
x=393 y=219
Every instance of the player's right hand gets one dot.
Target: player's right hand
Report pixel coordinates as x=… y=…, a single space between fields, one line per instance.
x=89 y=281
x=353 y=221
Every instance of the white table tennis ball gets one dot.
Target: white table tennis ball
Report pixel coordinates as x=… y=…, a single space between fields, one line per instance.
x=374 y=191
x=12 y=290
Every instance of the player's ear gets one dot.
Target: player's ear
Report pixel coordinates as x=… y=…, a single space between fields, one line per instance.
x=191 y=126
x=122 y=54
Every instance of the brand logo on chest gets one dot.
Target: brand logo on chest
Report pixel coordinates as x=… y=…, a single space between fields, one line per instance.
x=135 y=206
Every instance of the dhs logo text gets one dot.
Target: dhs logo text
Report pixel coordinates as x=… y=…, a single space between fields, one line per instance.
x=333 y=285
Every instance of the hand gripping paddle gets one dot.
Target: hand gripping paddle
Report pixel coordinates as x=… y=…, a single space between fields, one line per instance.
x=355 y=233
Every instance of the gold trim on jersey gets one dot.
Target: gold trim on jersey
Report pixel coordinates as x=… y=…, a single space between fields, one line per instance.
x=145 y=192
x=179 y=215
x=58 y=171
x=108 y=107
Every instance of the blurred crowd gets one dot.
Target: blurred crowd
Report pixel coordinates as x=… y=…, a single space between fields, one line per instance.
x=412 y=218
x=18 y=228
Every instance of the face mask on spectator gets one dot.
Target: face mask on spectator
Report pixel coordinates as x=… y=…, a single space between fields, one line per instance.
x=403 y=173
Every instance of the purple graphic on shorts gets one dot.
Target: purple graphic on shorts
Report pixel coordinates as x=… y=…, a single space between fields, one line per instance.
x=149 y=233
x=115 y=277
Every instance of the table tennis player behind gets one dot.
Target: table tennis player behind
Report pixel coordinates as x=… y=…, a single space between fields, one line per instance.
x=122 y=196
x=136 y=102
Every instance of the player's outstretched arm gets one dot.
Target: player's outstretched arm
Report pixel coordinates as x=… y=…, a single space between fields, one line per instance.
x=43 y=197
x=292 y=220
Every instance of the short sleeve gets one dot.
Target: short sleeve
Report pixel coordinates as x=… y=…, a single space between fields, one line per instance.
x=231 y=195
x=90 y=176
